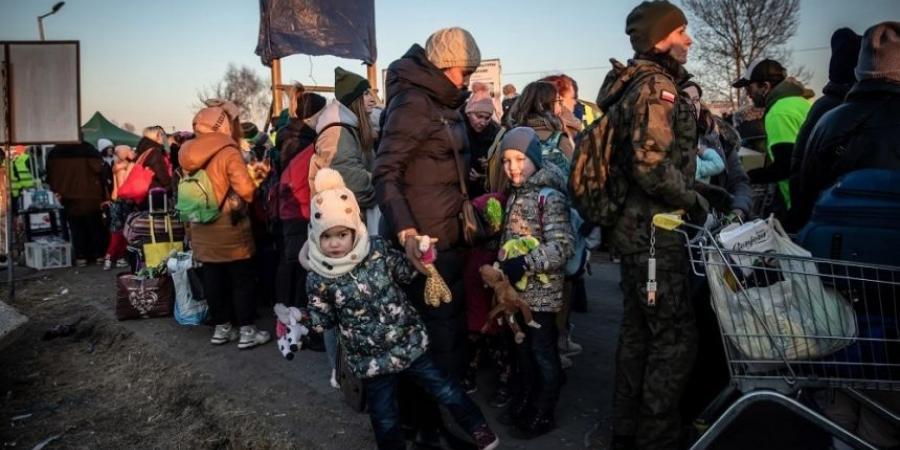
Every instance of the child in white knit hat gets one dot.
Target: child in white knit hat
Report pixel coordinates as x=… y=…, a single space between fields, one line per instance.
x=354 y=287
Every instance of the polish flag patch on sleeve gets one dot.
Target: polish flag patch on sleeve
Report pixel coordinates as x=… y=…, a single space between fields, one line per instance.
x=667 y=96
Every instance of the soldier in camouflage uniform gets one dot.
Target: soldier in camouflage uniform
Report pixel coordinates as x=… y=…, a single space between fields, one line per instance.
x=657 y=340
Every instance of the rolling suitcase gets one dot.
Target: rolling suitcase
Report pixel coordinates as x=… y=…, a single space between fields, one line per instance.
x=858 y=219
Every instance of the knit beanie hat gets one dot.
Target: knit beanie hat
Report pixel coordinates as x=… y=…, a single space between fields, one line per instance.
x=879 y=56
x=348 y=86
x=334 y=205
x=103 y=143
x=525 y=140
x=480 y=105
x=312 y=103
x=650 y=22
x=212 y=119
x=452 y=47
x=249 y=130
x=844 y=54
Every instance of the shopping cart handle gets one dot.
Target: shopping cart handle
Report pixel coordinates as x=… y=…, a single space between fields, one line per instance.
x=669 y=221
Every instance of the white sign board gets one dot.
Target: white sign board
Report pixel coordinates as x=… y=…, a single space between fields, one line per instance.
x=488 y=73
x=44 y=86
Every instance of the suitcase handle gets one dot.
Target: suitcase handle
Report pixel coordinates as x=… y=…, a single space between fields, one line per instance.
x=165 y=200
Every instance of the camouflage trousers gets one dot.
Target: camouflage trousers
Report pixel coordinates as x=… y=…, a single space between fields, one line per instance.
x=657 y=347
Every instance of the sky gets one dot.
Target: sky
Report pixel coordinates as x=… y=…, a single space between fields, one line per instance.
x=144 y=62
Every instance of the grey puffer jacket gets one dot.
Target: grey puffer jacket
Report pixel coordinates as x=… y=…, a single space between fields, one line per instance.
x=548 y=222
x=338 y=147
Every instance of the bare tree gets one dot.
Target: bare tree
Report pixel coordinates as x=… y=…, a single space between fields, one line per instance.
x=730 y=34
x=245 y=88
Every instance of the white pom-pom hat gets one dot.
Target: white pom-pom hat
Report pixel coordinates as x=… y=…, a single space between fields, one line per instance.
x=335 y=206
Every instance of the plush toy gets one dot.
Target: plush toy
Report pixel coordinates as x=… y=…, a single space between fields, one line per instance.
x=507 y=302
x=289 y=330
x=518 y=247
x=436 y=289
x=490 y=207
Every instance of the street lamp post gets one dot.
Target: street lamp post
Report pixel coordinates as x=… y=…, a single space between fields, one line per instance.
x=40 y=19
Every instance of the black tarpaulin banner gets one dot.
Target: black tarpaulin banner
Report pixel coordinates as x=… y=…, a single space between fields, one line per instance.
x=344 y=28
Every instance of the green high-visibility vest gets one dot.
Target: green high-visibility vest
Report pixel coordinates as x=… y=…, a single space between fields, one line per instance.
x=21 y=174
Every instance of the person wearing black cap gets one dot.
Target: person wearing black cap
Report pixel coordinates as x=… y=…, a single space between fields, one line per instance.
x=844 y=53
x=345 y=138
x=657 y=338
x=787 y=104
x=863 y=131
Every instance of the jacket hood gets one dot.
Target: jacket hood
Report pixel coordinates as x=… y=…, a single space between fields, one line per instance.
x=336 y=112
x=549 y=175
x=197 y=152
x=790 y=87
x=621 y=77
x=414 y=70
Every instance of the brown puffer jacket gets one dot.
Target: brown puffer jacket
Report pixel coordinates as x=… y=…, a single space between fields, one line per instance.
x=222 y=240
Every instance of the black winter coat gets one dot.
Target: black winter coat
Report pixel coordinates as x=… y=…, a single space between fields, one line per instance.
x=415 y=174
x=479 y=144
x=292 y=139
x=862 y=133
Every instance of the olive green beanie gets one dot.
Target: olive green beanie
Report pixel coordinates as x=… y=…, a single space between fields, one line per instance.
x=348 y=86
x=650 y=22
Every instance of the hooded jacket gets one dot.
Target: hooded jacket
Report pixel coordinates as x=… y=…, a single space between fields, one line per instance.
x=381 y=332
x=862 y=133
x=416 y=178
x=338 y=147
x=225 y=239
x=549 y=224
x=157 y=162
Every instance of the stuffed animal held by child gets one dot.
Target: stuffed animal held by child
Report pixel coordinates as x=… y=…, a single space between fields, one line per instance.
x=520 y=247
x=436 y=289
x=507 y=300
x=289 y=329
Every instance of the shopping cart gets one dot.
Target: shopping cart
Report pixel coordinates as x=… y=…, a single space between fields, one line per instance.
x=792 y=324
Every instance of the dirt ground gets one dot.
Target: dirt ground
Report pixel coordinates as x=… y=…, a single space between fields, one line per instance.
x=107 y=387
x=155 y=384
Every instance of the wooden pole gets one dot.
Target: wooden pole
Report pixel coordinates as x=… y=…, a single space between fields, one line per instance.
x=276 y=92
x=372 y=73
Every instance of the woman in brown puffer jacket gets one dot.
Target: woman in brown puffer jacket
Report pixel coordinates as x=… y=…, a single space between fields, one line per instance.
x=225 y=246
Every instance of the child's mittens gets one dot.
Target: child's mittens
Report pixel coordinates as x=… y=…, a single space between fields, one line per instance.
x=515 y=269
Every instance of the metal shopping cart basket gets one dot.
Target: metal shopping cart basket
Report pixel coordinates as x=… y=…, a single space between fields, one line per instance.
x=792 y=323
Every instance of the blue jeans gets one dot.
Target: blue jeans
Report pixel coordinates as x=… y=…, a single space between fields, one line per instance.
x=381 y=398
x=331 y=346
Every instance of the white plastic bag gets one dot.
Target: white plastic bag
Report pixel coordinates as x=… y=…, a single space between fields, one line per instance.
x=188 y=310
x=796 y=317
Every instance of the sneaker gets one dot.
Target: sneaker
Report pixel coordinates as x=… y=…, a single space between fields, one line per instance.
x=224 y=333
x=500 y=398
x=568 y=347
x=334 y=381
x=107 y=263
x=121 y=263
x=101 y=260
x=251 y=337
x=80 y=262
x=485 y=439
x=565 y=362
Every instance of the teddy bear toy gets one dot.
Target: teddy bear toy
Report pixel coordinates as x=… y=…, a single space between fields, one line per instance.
x=289 y=330
x=507 y=301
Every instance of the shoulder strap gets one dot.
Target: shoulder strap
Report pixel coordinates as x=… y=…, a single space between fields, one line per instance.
x=845 y=159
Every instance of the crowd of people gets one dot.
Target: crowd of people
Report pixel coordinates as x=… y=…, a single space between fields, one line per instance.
x=355 y=206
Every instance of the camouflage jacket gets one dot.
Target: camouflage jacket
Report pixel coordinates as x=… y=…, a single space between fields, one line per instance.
x=549 y=224
x=380 y=331
x=656 y=135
